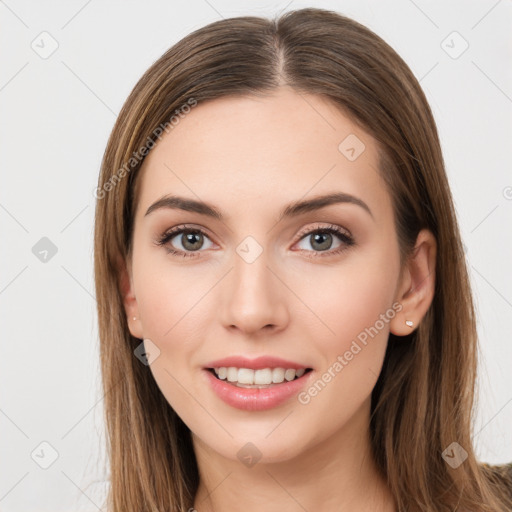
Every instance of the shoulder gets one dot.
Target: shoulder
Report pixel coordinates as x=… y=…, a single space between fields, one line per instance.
x=499 y=476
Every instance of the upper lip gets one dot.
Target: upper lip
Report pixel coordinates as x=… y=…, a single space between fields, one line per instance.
x=255 y=364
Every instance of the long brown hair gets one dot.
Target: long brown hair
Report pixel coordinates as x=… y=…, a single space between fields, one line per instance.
x=423 y=400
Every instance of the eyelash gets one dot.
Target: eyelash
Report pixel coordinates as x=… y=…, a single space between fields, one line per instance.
x=346 y=239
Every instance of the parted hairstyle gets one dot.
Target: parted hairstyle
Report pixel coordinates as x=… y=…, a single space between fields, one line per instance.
x=424 y=397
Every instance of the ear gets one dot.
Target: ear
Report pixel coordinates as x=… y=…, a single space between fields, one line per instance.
x=416 y=289
x=125 y=277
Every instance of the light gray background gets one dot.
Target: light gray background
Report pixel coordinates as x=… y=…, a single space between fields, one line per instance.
x=57 y=115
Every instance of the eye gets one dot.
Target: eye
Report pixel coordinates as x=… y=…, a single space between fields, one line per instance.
x=188 y=241
x=321 y=240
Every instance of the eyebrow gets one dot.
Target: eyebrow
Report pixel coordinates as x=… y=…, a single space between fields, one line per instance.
x=292 y=210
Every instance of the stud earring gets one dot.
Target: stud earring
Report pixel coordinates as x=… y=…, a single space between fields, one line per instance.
x=135 y=318
x=409 y=323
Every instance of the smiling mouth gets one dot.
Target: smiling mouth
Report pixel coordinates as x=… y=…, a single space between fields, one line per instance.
x=266 y=378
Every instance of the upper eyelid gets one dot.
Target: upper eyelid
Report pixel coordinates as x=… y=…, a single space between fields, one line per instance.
x=307 y=231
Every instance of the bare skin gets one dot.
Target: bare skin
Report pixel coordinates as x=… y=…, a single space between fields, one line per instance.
x=299 y=300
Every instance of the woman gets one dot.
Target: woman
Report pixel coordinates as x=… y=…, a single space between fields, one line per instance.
x=245 y=366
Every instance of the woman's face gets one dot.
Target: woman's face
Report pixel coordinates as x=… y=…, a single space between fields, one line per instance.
x=256 y=283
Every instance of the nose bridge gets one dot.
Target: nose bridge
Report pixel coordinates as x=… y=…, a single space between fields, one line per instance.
x=253 y=295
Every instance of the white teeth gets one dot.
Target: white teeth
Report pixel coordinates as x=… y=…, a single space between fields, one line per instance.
x=232 y=374
x=289 y=375
x=261 y=377
x=245 y=376
x=278 y=375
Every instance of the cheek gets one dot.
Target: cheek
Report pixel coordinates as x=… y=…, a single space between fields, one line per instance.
x=165 y=293
x=348 y=299
x=353 y=306
x=356 y=311
x=173 y=316
x=176 y=309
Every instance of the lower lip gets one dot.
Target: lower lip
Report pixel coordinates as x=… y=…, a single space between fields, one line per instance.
x=256 y=399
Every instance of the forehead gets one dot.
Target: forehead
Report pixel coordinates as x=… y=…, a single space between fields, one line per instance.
x=265 y=150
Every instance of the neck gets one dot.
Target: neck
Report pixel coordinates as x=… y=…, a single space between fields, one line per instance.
x=337 y=473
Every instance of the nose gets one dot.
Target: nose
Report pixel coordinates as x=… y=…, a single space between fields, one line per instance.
x=253 y=298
